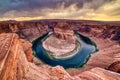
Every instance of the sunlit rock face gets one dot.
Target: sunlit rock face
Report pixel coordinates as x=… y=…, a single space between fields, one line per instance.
x=27 y=49
x=65 y=32
x=61 y=41
x=15 y=66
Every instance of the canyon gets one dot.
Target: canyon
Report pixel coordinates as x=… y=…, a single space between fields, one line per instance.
x=17 y=61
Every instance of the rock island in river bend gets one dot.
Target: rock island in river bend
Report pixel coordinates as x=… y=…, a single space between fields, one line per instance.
x=62 y=41
x=64 y=47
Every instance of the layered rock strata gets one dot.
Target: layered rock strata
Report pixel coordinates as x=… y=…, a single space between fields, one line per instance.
x=108 y=53
x=15 y=66
x=27 y=47
x=105 y=34
x=65 y=32
x=62 y=41
x=58 y=47
x=115 y=66
x=26 y=30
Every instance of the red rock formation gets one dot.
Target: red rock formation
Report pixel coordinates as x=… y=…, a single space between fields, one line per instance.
x=98 y=74
x=109 y=52
x=33 y=29
x=58 y=47
x=61 y=42
x=65 y=32
x=14 y=65
x=115 y=67
x=27 y=47
x=9 y=44
x=26 y=30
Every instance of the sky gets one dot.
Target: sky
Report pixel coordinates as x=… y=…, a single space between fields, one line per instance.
x=103 y=10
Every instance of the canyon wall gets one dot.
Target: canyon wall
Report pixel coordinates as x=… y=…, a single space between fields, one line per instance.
x=16 y=60
x=30 y=30
x=15 y=66
x=26 y=30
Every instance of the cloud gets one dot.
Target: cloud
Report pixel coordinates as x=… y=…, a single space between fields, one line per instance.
x=70 y=9
x=112 y=8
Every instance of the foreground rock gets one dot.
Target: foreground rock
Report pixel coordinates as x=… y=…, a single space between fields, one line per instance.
x=98 y=74
x=115 y=67
x=15 y=66
x=27 y=47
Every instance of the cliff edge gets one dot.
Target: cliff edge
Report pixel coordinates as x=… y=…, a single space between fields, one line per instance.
x=15 y=66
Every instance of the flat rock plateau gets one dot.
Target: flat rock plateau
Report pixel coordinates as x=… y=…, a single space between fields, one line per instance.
x=18 y=63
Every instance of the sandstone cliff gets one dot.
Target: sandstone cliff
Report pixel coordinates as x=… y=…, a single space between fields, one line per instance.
x=15 y=66
x=26 y=30
x=32 y=29
x=13 y=52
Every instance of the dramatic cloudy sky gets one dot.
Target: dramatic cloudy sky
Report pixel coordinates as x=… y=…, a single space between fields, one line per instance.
x=108 y=10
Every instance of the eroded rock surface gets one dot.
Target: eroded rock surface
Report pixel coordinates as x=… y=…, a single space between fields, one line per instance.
x=65 y=32
x=62 y=41
x=115 y=66
x=15 y=66
x=27 y=47
x=58 y=47
x=98 y=74
x=26 y=30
